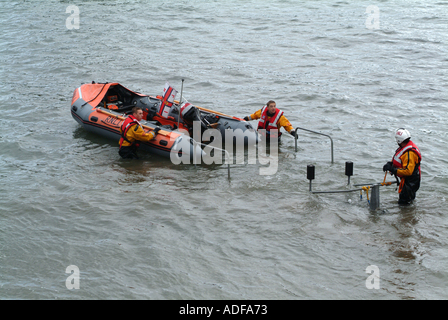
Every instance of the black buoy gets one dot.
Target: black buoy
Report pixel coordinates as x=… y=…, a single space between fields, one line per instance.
x=348 y=170
x=310 y=173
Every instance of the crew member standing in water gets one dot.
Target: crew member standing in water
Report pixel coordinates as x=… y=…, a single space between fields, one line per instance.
x=271 y=118
x=131 y=131
x=406 y=165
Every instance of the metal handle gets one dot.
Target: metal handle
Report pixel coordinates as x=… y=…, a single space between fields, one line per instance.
x=332 y=158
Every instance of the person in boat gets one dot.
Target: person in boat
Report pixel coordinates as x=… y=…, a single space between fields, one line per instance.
x=406 y=165
x=271 y=118
x=131 y=132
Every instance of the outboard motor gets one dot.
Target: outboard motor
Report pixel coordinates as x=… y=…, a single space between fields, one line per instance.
x=189 y=113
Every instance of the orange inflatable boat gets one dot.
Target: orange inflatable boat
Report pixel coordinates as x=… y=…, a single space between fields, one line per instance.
x=101 y=108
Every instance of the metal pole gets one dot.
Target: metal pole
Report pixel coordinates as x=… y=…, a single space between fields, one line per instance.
x=310 y=173
x=180 y=103
x=348 y=170
x=227 y=158
x=375 y=197
x=194 y=152
x=295 y=138
x=337 y=191
x=374 y=184
x=228 y=165
x=364 y=184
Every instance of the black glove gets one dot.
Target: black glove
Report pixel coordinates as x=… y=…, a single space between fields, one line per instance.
x=246 y=118
x=393 y=170
x=293 y=133
x=156 y=130
x=389 y=167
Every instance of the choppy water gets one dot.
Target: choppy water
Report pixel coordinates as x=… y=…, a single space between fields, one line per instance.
x=149 y=229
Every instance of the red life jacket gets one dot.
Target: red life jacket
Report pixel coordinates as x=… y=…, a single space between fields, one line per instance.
x=396 y=160
x=272 y=123
x=127 y=124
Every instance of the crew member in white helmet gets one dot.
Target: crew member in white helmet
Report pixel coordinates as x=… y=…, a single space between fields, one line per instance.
x=406 y=165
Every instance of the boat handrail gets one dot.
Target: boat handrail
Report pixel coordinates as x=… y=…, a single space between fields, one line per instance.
x=315 y=132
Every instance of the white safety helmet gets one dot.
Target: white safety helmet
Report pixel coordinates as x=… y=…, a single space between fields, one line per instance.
x=401 y=135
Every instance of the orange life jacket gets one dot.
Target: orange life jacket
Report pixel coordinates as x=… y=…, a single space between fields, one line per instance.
x=270 y=124
x=409 y=146
x=127 y=124
x=414 y=179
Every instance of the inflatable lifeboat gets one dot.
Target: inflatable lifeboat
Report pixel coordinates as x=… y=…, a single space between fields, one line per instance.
x=101 y=108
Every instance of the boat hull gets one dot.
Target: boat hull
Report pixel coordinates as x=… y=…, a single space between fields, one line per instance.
x=107 y=124
x=101 y=108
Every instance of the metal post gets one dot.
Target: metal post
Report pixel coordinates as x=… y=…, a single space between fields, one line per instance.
x=180 y=103
x=348 y=170
x=295 y=138
x=195 y=144
x=228 y=162
x=375 y=197
x=310 y=173
x=337 y=191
